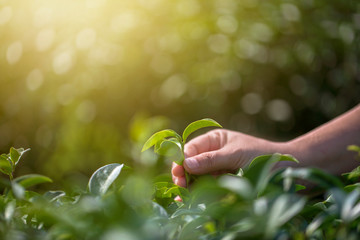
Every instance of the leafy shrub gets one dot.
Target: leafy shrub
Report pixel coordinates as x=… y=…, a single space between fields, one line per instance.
x=257 y=203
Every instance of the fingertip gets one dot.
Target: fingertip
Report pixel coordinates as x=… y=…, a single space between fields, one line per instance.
x=178 y=199
x=191 y=165
x=180 y=181
x=189 y=150
x=177 y=170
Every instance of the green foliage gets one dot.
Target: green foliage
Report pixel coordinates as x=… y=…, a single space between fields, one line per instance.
x=239 y=206
x=9 y=161
x=192 y=127
x=102 y=178
x=168 y=142
x=272 y=68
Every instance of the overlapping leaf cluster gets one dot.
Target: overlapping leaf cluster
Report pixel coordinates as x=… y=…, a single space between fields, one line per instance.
x=257 y=203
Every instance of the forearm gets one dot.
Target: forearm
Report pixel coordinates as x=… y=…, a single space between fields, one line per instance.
x=326 y=146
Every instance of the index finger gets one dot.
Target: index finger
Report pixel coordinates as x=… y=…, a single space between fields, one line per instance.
x=203 y=143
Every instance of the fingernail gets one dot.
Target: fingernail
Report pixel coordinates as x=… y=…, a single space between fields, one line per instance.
x=192 y=163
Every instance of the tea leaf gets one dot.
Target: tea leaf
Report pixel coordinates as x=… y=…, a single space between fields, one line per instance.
x=31 y=180
x=350 y=209
x=6 y=166
x=281 y=157
x=258 y=170
x=284 y=208
x=18 y=190
x=192 y=127
x=158 y=137
x=168 y=147
x=354 y=148
x=54 y=195
x=15 y=154
x=321 y=178
x=102 y=178
x=299 y=187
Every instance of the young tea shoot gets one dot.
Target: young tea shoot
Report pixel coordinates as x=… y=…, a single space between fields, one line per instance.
x=169 y=143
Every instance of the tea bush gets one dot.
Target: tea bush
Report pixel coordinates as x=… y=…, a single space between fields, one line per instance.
x=119 y=203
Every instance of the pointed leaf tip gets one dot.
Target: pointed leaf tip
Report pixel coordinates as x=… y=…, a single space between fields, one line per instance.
x=192 y=127
x=102 y=178
x=159 y=137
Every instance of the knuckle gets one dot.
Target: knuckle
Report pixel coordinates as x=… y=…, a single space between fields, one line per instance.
x=215 y=137
x=210 y=159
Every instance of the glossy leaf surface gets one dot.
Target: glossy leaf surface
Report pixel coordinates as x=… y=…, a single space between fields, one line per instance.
x=102 y=178
x=32 y=179
x=192 y=127
x=158 y=137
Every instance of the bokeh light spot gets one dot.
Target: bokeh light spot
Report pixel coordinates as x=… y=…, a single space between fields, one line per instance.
x=346 y=33
x=171 y=43
x=5 y=15
x=14 y=52
x=173 y=87
x=278 y=110
x=251 y=50
x=124 y=22
x=34 y=80
x=85 y=38
x=107 y=54
x=219 y=43
x=43 y=16
x=251 y=103
x=63 y=62
x=290 y=12
x=227 y=24
x=261 y=32
x=45 y=39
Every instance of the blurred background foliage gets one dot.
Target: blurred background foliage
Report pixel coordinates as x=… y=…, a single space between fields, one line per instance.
x=84 y=83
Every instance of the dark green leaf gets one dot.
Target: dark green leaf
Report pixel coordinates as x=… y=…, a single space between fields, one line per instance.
x=31 y=180
x=276 y=157
x=158 y=137
x=258 y=172
x=353 y=174
x=283 y=209
x=317 y=176
x=299 y=187
x=351 y=187
x=102 y=178
x=192 y=127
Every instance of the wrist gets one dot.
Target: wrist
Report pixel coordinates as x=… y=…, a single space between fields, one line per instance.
x=293 y=149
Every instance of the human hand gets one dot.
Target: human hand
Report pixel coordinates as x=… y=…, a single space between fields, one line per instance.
x=220 y=151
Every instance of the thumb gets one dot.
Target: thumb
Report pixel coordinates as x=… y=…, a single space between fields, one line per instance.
x=207 y=162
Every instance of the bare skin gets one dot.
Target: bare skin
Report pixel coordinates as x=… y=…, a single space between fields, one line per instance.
x=220 y=151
